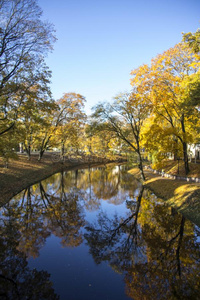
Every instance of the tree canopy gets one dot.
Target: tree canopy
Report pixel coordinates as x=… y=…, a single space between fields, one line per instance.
x=24 y=41
x=160 y=114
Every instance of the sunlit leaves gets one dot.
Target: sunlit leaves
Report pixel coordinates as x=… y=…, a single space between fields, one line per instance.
x=193 y=40
x=170 y=87
x=70 y=120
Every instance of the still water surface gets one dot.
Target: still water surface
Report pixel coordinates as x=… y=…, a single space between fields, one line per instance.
x=96 y=234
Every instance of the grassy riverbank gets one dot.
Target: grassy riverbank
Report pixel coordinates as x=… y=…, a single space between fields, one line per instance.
x=23 y=172
x=182 y=195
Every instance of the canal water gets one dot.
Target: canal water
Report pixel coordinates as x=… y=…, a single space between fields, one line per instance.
x=96 y=234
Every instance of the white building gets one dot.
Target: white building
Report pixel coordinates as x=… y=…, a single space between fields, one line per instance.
x=194 y=151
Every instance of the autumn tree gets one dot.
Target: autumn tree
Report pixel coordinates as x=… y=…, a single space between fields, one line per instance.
x=192 y=85
x=37 y=107
x=24 y=41
x=153 y=133
x=124 y=118
x=64 y=123
x=70 y=120
x=164 y=85
x=101 y=143
x=193 y=40
x=46 y=132
x=8 y=146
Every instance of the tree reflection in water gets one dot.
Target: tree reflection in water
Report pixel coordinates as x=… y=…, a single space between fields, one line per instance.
x=151 y=245
x=155 y=248
x=17 y=281
x=114 y=240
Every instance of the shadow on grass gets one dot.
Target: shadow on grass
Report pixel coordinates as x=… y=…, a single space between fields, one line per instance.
x=185 y=197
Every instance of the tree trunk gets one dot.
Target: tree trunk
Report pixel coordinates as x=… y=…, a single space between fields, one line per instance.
x=43 y=147
x=185 y=155
x=41 y=154
x=175 y=149
x=28 y=150
x=140 y=165
x=63 y=150
x=138 y=151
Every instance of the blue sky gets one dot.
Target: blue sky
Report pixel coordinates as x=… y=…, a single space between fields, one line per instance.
x=101 y=41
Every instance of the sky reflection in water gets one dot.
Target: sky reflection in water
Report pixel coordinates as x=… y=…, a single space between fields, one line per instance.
x=96 y=234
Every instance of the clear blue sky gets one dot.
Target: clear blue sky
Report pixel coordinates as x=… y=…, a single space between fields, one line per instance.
x=101 y=41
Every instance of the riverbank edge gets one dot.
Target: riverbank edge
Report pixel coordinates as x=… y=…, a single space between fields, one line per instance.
x=177 y=193
x=183 y=196
x=32 y=177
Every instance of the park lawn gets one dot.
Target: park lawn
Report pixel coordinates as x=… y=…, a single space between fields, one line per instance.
x=182 y=195
x=175 y=168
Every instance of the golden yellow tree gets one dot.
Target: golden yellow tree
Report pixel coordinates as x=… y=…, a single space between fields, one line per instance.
x=70 y=120
x=163 y=85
